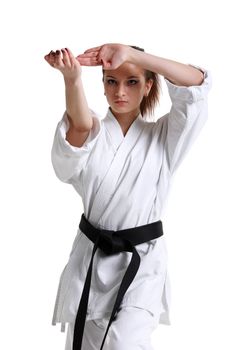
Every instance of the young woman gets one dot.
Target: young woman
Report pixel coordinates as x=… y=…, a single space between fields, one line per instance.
x=115 y=288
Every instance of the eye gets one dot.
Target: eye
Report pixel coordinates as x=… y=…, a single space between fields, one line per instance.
x=132 y=82
x=111 y=81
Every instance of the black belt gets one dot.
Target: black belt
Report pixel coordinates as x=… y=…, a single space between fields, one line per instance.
x=112 y=242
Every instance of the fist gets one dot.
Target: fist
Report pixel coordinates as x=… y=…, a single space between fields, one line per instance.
x=65 y=62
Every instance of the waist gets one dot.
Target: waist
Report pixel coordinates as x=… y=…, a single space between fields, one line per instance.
x=112 y=242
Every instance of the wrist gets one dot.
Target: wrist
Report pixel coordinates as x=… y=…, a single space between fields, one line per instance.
x=72 y=81
x=132 y=55
x=137 y=57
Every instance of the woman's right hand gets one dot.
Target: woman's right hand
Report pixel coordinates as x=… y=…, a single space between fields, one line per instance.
x=65 y=62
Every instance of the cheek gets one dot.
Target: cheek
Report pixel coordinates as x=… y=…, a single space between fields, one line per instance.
x=109 y=90
x=140 y=93
x=134 y=94
x=137 y=90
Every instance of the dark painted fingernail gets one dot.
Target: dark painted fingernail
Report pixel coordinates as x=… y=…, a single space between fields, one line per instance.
x=57 y=52
x=52 y=52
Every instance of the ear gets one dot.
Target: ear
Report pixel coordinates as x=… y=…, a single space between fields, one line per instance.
x=148 y=86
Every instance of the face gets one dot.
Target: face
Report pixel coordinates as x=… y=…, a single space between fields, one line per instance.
x=125 y=88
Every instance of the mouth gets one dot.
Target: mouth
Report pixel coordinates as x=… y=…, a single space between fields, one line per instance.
x=120 y=102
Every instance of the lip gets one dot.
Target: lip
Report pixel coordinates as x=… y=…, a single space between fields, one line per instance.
x=121 y=101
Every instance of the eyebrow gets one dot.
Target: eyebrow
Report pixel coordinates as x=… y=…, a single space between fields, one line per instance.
x=130 y=77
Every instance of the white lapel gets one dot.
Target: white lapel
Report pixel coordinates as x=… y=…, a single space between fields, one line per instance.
x=123 y=146
x=114 y=130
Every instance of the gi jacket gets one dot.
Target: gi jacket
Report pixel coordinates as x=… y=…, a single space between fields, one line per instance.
x=124 y=182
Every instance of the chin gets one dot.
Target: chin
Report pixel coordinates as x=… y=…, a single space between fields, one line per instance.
x=122 y=109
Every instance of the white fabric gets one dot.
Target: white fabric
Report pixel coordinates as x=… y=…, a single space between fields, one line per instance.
x=131 y=330
x=123 y=183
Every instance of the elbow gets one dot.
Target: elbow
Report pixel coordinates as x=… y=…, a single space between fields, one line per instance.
x=200 y=77
x=197 y=76
x=81 y=126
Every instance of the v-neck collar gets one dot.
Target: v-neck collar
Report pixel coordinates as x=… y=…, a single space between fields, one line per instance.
x=114 y=128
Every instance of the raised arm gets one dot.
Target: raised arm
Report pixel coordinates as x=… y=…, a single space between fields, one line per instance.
x=178 y=73
x=112 y=56
x=77 y=109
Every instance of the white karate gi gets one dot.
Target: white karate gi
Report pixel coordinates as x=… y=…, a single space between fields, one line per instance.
x=124 y=182
x=131 y=330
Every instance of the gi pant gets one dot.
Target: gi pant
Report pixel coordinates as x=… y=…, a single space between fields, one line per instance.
x=130 y=331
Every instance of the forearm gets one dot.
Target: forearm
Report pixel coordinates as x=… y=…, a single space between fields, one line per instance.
x=178 y=73
x=77 y=106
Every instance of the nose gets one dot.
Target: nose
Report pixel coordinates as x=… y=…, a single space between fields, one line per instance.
x=120 y=91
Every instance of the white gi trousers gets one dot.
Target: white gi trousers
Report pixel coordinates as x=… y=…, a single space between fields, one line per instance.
x=131 y=330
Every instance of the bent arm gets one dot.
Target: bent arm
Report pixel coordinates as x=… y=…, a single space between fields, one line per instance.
x=178 y=73
x=111 y=56
x=78 y=113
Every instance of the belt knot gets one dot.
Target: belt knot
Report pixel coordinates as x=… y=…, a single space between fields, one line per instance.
x=110 y=242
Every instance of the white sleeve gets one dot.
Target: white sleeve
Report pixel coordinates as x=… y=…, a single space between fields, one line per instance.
x=68 y=161
x=185 y=120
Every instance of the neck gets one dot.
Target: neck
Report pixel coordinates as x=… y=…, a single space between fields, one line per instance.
x=126 y=119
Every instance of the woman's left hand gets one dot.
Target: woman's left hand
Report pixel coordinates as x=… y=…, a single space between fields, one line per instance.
x=110 y=56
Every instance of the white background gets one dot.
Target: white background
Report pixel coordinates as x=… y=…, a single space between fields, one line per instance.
x=204 y=224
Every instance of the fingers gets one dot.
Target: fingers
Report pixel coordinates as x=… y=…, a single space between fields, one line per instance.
x=60 y=58
x=69 y=54
x=93 y=61
x=54 y=59
x=89 y=59
x=97 y=48
x=66 y=57
x=50 y=58
x=58 y=63
x=88 y=55
x=91 y=56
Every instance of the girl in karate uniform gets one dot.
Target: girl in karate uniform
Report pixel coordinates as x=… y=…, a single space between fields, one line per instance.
x=121 y=165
